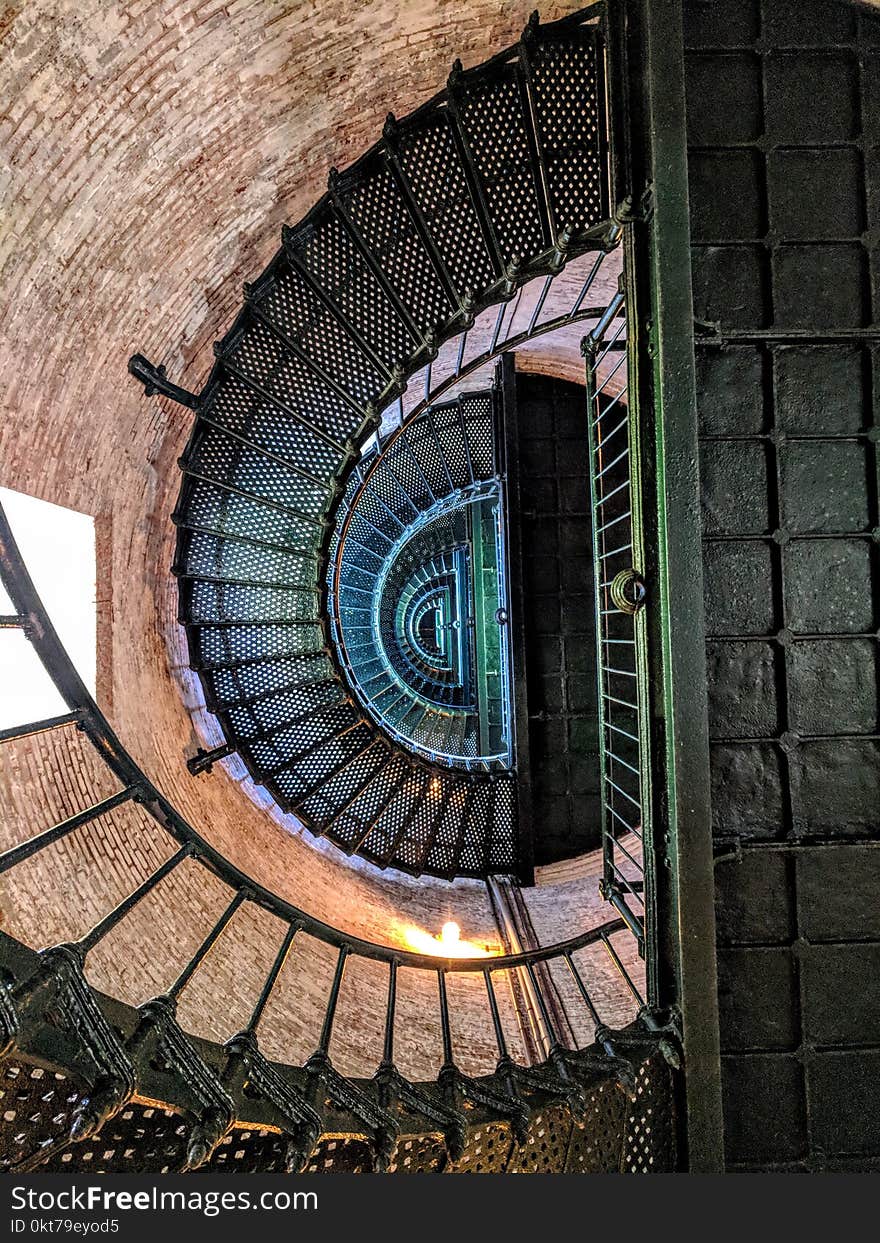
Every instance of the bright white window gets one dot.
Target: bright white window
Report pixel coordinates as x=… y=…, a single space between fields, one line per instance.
x=58 y=548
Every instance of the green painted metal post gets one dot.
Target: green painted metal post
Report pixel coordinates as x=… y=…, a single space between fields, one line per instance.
x=648 y=88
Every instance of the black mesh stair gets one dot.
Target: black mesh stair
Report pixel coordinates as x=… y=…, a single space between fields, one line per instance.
x=500 y=178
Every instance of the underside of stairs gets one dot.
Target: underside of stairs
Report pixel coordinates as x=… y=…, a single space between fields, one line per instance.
x=90 y=1085
x=501 y=178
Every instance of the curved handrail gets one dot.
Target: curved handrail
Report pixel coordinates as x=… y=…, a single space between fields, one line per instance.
x=31 y=616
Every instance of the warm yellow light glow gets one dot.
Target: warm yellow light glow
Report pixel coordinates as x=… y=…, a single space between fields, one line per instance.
x=447 y=945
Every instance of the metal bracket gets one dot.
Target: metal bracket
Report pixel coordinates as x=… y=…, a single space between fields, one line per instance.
x=203 y=761
x=378 y=1124
x=155 y=381
x=457 y=1087
x=708 y=329
x=248 y=1069
x=633 y=210
x=159 y=1038
x=395 y=1092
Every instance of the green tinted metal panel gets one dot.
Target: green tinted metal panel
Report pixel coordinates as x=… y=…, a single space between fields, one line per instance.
x=616 y=503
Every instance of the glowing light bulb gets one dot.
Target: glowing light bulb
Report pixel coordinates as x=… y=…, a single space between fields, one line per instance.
x=447 y=943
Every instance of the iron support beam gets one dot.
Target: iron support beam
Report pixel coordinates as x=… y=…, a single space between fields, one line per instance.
x=508 y=444
x=155 y=381
x=649 y=33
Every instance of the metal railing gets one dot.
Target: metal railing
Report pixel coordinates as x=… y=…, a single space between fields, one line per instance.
x=31 y=618
x=85 y=714
x=618 y=568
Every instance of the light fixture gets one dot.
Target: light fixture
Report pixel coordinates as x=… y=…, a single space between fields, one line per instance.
x=447 y=943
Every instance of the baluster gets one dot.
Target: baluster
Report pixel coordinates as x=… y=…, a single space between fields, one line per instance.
x=17 y=854
x=615 y=958
x=448 y=1059
x=327 y=1028
x=503 y=1055
x=462 y=344
x=88 y=942
x=599 y=1027
x=670 y=1038
x=539 y=305
x=553 y=1041
x=272 y=977
x=388 y=1048
x=499 y=320
x=206 y=946
x=514 y=312
x=588 y=1001
x=587 y=285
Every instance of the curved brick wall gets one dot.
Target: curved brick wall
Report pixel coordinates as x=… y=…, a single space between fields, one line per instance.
x=152 y=152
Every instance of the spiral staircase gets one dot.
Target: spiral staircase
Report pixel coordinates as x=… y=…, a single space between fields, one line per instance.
x=431 y=525
x=499 y=180
x=343 y=585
